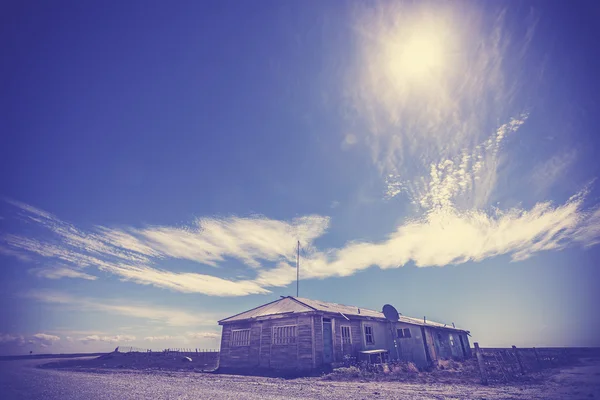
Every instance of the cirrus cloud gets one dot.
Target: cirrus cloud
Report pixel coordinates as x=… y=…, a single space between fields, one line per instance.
x=443 y=235
x=109 y=339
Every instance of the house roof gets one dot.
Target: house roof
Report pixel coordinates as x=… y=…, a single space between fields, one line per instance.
x=291 y=305
x=286 y=305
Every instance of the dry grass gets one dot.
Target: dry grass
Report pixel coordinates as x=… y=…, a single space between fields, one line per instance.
x=442 y=371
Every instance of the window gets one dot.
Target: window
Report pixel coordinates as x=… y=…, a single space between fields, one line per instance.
x=240 y=337
x=403 y=333
x=451 y=340
x=346 y=338
x=369 y=339
x=284 y=334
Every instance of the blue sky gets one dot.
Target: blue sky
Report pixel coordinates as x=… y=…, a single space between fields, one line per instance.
x=160 y=161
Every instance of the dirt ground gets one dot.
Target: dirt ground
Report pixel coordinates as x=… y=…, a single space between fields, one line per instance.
x=581 y=381
x=577 y=382
x=136 y=361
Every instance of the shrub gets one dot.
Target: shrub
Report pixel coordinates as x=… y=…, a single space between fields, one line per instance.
x=363 y=371
x=403 y=367
x=344 y=373
x=447 y=365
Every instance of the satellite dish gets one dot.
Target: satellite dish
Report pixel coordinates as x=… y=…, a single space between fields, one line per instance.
x=391 y=314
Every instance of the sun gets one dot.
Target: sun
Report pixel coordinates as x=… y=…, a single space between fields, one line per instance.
x=422 y=55
x=416 y=55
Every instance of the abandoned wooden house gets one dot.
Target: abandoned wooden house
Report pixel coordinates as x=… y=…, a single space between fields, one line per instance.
x=299 y=333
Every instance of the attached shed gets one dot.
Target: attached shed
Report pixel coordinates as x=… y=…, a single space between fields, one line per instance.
x=299 y=333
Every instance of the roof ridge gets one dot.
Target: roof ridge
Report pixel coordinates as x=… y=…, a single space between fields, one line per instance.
x=331 y=302
x=301 y=302
x=252 y=309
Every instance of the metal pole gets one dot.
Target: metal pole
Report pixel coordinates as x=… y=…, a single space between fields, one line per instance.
x=298 y=271
x=395 y=341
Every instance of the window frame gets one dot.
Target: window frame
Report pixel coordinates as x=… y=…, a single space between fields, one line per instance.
x=238 y=342
x=372 y=334
x=346 y=339
x=403 y=333
x=284 y=340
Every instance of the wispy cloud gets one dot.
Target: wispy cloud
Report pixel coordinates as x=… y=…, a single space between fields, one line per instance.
x=8 y=338
x=38 y=339
x=13 y=253
x=444 y=235
x=109 y=339
x=184 y=338
x=210 y=240
x=449 y=236
x=465 y=181
x=161 y=338
x=61 y=272
x=428 y=128
x=186 y=282
x=170 y=316
x=547 y=173
x=76 y=332
x=203 y=335
x=132 y=253
x=411 y=119
x=588 y=233
x=44 y=337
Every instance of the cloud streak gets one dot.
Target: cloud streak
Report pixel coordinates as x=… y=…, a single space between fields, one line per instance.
x=61 y=272
x=546 y=174
x=108 y=339
x=38 y=339
x=442 y=236
x=170 y=316
x=132 y=253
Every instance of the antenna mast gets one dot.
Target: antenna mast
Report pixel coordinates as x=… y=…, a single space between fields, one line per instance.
x=298 y=270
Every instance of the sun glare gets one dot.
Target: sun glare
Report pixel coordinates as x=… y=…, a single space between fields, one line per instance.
x=421 y=55
x=417 y=54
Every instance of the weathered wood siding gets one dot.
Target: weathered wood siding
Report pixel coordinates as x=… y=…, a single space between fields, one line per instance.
x=318 y=335
x=381 y=332
x=305 y=344
x=429 y=335
x=466 y=344
x=351 y=349
x=242 y=356
x=262 y=352
x=446 y=348
x=265 y=344
x=455 y=347
x=410 y=349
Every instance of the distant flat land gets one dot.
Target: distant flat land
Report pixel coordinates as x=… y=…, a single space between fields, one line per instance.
x=39 y=356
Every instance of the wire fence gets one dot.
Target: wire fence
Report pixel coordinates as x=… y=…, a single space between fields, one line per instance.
x=176 y=350
x=206 y=357
x=513 y=364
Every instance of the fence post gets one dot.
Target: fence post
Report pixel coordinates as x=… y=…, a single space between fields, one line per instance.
x=519 y=359
x=537 y=358
x=478 y=353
